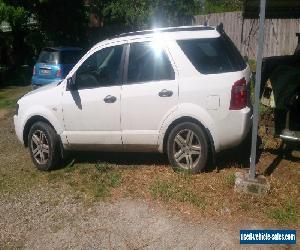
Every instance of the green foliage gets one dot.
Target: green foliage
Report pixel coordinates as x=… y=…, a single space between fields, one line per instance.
x=9 y=96
x=145 y=13
x=216 y=6
x=230 y=180
x=285 y=214
x=16 y=16
x=95 y=180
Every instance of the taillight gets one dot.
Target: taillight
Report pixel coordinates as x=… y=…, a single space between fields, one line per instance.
x=33 y=71
x=239 y=95
x=58 y=73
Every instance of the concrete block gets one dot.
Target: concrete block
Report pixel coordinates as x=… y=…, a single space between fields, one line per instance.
x=259 y=186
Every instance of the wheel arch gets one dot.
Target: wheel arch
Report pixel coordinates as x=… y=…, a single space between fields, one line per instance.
x=29 y=123
x=208 y=135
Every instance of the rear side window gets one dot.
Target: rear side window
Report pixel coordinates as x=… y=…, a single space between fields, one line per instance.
x=148 y=62
x=213 y=55
x=49 y=56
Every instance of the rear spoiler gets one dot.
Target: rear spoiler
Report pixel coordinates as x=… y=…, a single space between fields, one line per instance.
x=220 y=28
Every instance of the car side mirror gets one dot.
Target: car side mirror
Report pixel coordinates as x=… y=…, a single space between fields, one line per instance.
x=71 y=85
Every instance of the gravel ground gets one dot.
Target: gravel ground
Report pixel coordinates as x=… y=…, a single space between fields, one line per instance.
x=54 y=219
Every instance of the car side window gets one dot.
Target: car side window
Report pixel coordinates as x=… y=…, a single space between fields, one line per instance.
x=148 y=62
x=103 y=68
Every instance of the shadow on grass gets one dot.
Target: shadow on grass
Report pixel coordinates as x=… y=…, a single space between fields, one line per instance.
x=125 y=159
x=225 y=159
x=283 y=152
x=238 y=156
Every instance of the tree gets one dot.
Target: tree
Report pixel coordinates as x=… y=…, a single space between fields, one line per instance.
x=117 y=16
x=215 y=6
x=139 y=14
x=17 y=18
x=58 y=22
x=63 y=21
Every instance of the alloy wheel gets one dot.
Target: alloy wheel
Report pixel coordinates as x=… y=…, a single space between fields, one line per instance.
x=40 y=147
x=187 y=149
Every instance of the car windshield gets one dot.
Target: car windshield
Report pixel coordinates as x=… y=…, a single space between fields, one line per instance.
x=49 y=56
x=63 y=57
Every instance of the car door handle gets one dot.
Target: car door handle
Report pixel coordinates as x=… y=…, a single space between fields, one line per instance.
x=165 y=93
x=109 y=99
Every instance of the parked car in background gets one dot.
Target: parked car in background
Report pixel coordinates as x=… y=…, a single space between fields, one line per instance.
x=182 y=91
x=54 y=64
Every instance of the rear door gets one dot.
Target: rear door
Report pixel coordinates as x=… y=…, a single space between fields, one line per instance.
x=149 y=94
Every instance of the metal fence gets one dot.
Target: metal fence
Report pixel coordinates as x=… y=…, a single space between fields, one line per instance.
x=280 y=34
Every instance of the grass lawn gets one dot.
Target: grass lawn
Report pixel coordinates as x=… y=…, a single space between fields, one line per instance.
x=113 y=176
x=9 y=96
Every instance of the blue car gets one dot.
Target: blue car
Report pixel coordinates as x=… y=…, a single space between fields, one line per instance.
x=54 y=64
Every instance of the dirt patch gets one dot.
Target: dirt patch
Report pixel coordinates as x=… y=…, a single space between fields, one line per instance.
x=58 y=219
x=3 y=113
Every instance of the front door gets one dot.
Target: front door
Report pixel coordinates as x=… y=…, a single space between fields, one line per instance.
x=92 y=112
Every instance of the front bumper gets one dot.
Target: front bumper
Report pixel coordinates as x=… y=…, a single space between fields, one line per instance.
x=18 y=128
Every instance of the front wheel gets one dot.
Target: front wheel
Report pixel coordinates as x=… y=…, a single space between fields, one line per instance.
x=187 y=148
x=44 y=146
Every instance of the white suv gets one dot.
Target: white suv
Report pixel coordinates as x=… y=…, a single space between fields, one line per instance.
x=181 y=91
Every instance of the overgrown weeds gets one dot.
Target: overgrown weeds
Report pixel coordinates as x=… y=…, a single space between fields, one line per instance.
x=285 y=214
x=168 y=190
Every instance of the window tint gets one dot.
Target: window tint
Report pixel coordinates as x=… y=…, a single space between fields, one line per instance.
x=100 y=69
x=213 y=55
x=70 y=57
x=49 y=56
x=148 y=62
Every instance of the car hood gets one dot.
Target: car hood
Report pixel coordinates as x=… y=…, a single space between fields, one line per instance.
x=42 y=89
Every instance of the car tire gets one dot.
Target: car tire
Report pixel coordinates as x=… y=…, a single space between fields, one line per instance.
x=187 y=148
x=44 y=146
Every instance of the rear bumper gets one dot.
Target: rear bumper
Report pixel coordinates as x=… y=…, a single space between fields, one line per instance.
x=234 y=129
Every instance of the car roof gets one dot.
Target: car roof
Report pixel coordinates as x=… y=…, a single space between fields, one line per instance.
x=176 y=33
x=63 y=48
x=168 y=29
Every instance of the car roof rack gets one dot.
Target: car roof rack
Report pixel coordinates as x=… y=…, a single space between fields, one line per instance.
x=170 y=29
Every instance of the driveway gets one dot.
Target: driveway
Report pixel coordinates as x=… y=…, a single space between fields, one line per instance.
x=54 y=219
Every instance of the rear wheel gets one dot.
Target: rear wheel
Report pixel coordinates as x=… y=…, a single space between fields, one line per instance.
x=187 y=148
x=44 y=146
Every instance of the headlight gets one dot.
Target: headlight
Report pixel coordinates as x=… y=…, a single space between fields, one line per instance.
x=17 y=109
